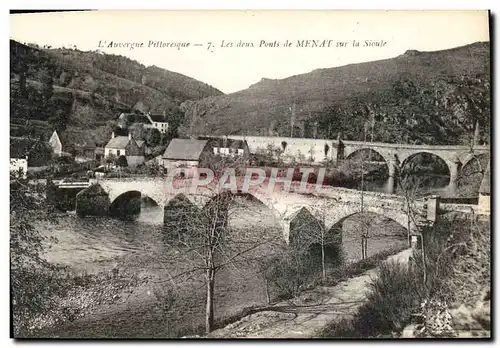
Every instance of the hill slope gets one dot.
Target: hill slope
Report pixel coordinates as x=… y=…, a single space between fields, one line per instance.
x=65 y=88
x=427 y=97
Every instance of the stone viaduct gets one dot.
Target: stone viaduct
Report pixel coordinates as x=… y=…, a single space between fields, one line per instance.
x=330 y=206
x=397 y=156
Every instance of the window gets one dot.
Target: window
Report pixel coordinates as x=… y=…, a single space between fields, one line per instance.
x=118 y=153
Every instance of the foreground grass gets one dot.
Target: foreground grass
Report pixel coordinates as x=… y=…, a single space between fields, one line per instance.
x=457 y=258
x=334 y=277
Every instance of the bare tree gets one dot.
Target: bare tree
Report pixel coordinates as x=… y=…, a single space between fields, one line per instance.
x=410 y=187
x=205 y=242
x=313 y=231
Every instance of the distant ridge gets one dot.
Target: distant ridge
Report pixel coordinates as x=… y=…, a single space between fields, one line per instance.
x=90 y=89
x=416 y=97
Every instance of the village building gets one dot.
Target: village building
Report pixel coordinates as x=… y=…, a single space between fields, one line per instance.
x=149 y=120
x=99 y=153
x=78 y=145
x=227 y=147
x=186 y=153
x=157 y=121
x=133 y=150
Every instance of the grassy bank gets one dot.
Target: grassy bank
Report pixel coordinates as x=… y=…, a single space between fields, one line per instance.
x=334 y=276
x=456 y=272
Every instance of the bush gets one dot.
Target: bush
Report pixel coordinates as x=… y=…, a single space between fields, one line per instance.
x=122 y=161
x=397 y=292
x=394 y=295
x=389 y=305
x=289 y=271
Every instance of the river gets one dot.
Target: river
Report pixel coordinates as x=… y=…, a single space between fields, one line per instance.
x=100 y=244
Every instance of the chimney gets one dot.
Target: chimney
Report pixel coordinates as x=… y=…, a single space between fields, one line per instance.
x=112 y=135
x=129 y=136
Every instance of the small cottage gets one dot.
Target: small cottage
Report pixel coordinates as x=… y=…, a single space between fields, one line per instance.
x=133 y=150
x=186 y=153
x=158 y=121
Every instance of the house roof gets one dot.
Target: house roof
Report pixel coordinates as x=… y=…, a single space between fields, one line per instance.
x=485 y=183
x=119 y=142
x=185 y=149
x=124 y=115
x=158 y=118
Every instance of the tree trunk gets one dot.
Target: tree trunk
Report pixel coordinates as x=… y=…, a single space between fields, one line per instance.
x=362 y=248
x=268 y=297
x=323 y=261
x=424 y=263
x=409 y=223
x=365 y=241
x=209 y=313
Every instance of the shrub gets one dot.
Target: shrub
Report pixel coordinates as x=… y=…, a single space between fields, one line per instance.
x=389 y=305
x=289 y=271
x=397 y=292
x=394 y=295
x=122 y=161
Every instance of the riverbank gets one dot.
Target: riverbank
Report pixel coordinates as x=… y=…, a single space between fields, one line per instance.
x=305 y=316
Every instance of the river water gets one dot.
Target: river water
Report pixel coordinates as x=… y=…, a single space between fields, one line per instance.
x=101 y=244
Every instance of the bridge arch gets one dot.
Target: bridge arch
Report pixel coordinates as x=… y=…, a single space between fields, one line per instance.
x=266 y=201
x=479 y=161
x=127 y=205
x=368 y=153
x=444 y=166
x=337 y=216
x=382 y=232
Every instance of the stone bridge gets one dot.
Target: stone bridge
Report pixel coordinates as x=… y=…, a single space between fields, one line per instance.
x=397 y=156
x=330 y=205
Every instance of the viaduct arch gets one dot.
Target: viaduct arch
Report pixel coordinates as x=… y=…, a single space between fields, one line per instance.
x=330 y=207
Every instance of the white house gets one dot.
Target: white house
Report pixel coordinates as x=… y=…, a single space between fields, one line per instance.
x=227 y=147
x=158 y=121
x=133 y=150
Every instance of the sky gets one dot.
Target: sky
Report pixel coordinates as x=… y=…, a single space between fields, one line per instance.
x=231 y=69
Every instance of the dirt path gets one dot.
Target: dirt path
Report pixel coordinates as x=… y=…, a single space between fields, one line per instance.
x=303 y=317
